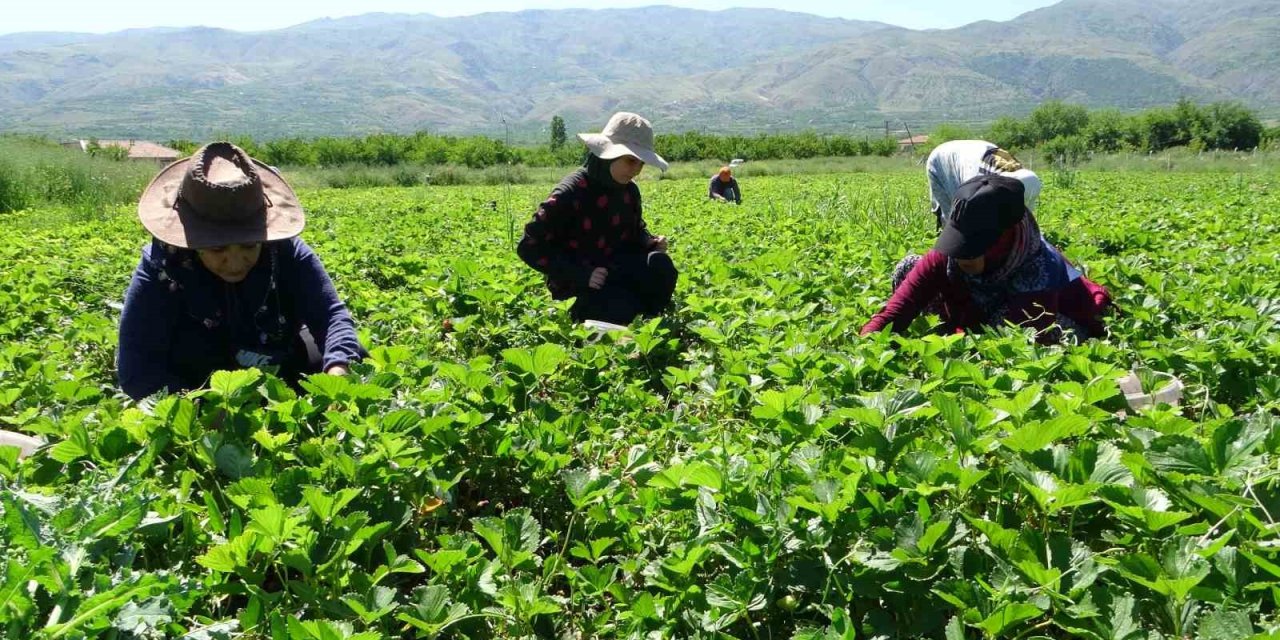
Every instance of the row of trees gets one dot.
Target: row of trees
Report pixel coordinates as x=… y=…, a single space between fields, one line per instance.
x=683 y=147
x=382 y=150
x=1060 y=129
x=480 y=152
x=1069 y=130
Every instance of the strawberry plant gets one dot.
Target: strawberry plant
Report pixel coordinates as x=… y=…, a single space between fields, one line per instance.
x=744 y=467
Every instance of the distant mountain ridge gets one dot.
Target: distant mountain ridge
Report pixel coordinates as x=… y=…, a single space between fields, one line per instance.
x=740 y=70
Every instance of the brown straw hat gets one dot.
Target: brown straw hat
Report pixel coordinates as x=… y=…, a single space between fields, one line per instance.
x=217 y=197
x=626 y=134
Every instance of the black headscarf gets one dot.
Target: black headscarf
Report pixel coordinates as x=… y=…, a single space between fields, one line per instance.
x=598 y=173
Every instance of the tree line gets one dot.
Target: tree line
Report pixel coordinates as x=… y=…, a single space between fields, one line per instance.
x=1071 y=131
x=1058 y=129
x=479 y=152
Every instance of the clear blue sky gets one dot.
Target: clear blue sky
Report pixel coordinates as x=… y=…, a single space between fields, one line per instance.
x=98 y=16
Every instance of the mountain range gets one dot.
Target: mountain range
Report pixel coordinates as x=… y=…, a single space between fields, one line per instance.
x=738 y=70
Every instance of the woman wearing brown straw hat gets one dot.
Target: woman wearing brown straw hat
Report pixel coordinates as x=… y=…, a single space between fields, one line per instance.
x=589 y=238
x=225 y=282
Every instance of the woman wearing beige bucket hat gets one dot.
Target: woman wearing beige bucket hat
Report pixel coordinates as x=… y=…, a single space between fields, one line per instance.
x=225 y=282
x=589 y=237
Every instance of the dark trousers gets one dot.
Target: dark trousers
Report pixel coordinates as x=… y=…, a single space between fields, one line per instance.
x=638 y=284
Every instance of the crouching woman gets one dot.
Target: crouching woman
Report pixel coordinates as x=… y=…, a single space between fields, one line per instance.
x=225 y=282
x=990 y=266
x=589 y=237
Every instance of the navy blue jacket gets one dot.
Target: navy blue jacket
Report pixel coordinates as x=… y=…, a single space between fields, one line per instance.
x=181 y=322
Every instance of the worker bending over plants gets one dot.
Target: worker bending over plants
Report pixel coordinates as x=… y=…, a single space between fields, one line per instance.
x=990 y=266
x=724 y=187
x=225 y=282
x=953 y=163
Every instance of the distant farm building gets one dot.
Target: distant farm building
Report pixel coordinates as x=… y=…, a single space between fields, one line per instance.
x=910 y=143
x=136 y=149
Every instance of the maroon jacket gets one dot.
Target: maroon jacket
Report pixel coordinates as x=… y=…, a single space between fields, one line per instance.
x=1082 y=300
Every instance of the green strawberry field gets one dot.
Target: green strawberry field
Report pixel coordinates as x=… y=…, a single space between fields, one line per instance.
x=744 y=467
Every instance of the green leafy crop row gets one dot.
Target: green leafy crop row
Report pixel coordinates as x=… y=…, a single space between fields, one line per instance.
x=746 y=467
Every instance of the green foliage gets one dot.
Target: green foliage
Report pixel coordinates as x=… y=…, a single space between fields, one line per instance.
x=948 y=132
x=1226 y=126
x=15 y=193
x=1164 y=128
x=187 y=147
x=110 y=152
x=692 y=145
x=1110 y=130
x=478 y=152
x=1066 y=150
x=745 y=466
x=1271 y=139
x=558 y=135
x=1010 y=133
x=1055 y=119
x=37 y=172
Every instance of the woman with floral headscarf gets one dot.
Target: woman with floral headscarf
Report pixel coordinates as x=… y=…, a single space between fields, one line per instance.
x=955 y=162
x=991 y=265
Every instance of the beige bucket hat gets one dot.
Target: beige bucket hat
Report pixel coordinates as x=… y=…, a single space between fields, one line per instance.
x=627 y=134
x=217 y=197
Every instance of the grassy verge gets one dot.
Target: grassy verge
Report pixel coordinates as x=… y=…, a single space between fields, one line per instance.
x=406 y=175
x=35 y=173
x=347 y=176
x=1183 y=159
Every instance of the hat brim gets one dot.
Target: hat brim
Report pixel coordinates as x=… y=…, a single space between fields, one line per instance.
x=962 y=245
x=954 y=243
x=607 y=149
x=174 y=223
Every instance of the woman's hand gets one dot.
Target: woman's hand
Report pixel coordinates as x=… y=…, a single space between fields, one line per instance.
x=659 y=244
x=337 y=370
x=598 y=277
